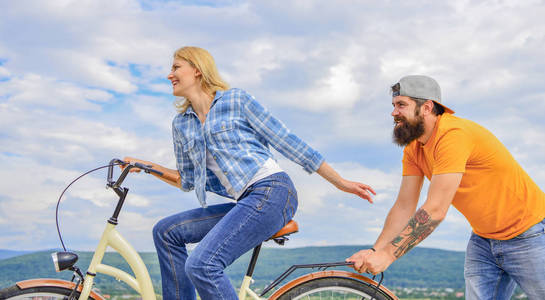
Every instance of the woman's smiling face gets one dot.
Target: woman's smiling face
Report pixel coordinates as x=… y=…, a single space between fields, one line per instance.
x=184 y=77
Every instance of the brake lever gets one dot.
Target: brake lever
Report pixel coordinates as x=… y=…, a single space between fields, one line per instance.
x=113 y=162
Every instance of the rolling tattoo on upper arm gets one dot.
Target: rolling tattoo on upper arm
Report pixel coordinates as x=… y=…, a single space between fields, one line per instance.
x=418 y=228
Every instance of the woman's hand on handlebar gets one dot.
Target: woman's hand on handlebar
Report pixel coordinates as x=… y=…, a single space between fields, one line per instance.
x=169 y=176
x=132 y=160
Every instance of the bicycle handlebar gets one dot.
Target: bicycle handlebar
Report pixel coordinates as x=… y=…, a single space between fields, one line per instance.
x=119 y=181
x=114 y=185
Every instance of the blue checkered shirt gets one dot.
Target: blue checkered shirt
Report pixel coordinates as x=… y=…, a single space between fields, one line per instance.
x=237 y=132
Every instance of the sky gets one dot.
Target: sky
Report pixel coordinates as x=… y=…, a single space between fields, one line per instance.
x=82 y=82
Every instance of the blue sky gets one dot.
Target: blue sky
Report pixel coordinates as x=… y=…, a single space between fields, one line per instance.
x=82 y=82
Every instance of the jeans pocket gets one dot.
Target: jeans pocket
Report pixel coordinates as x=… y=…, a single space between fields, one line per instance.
x=534 y=231
x=261 y=193
x=291 y=206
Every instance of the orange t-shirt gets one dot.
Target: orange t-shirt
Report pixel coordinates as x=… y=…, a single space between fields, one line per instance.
x=497 y=197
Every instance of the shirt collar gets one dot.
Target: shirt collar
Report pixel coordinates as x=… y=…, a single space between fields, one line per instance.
x=189 y=111
x=219 y=94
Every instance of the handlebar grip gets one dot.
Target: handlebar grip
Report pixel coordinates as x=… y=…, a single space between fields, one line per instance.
x=147 y=169
x=156 y=172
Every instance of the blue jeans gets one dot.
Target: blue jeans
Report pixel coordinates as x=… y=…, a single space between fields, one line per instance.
x=224 y=232
x=493 y=268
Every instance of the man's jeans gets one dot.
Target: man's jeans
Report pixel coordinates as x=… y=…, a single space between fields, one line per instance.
x=225 y=232
x=493 y=268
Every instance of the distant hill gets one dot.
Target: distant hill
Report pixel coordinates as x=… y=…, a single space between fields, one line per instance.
x=10 y=253
x=422 y=267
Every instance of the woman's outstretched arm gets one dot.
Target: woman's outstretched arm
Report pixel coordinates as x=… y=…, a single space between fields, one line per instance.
x=357 y=188
x=169 y=176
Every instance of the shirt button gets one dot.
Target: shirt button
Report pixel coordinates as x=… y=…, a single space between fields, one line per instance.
x=222 y=127
x=215 y=157
x=225 y=173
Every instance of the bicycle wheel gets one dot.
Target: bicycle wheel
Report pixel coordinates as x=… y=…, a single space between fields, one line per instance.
x=37 y=293
x=334 y=288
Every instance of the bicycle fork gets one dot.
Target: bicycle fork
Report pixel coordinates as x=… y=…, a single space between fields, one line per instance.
x=140 y=283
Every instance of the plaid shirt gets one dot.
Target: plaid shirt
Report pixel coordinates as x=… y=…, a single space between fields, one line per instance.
x=237 y=132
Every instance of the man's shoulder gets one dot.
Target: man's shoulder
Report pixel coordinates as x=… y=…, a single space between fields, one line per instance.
x=450 y=123
x=450 y=120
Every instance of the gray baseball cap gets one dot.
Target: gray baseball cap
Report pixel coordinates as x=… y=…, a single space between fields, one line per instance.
x=423 y=87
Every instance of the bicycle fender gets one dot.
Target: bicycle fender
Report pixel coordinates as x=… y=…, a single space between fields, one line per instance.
x=25 y=284
x=330 y=273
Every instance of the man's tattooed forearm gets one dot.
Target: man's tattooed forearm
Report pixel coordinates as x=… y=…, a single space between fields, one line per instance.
x=419 y=227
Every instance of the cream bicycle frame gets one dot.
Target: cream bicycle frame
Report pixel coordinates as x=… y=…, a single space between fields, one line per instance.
x=245 y=290
x=141 y=282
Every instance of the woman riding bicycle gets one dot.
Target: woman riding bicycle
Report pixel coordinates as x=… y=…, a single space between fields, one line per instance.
x=221 y=138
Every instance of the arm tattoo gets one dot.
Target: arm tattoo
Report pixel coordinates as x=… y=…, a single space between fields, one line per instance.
x=419 y=227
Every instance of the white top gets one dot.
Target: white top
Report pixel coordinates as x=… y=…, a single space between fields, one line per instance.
x=268 y=168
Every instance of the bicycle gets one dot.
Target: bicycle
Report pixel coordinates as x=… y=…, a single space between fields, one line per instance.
x=323 y=284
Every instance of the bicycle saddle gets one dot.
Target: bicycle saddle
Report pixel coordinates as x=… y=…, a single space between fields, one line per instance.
x=290 y=228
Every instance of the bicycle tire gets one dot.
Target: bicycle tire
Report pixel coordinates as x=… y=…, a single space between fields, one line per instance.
x=334 y=288
x=40 y=292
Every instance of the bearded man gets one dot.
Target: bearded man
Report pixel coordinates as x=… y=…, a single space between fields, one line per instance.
x=469 y=168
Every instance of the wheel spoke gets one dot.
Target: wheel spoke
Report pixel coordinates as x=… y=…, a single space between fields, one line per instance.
x=39 y=296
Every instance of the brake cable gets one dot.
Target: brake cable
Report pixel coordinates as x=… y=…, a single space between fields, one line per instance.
x=65 y=189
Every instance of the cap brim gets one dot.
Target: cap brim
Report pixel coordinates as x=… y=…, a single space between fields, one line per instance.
x=450 y=111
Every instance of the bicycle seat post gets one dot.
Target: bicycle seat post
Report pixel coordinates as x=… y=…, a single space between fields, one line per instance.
x=253 y=261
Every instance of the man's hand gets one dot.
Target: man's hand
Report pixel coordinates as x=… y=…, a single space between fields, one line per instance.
x=372 y=262
x=360 y=260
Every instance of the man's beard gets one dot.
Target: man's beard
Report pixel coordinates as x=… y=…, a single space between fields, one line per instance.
x=408 y=131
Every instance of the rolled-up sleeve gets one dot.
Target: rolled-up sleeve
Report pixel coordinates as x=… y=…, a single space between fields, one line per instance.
x=279 y=136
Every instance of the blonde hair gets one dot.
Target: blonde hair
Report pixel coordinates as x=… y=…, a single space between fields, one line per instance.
x=210 y=78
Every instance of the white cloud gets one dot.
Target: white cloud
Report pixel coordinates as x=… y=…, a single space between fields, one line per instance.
x=258 y=57
x=338 y=89
x=96 y=194
x=33 y=90
x=4 y=73
x=154 y=111
x=95 y=71
x=69 y=139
